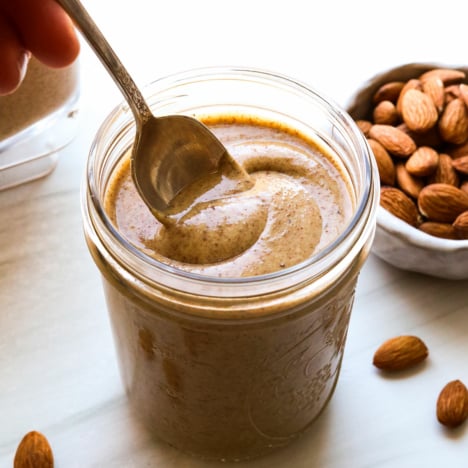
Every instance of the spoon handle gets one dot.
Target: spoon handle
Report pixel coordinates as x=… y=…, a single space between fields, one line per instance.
x=104 y=51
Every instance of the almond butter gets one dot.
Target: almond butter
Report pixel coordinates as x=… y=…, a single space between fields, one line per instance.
x=447 y=75
x=34 y=451
x=385 y=113
x=384 y=162
x=393 y=140
x=408 y=183
x=399 y=204
x=460 y=225
x=423 y=162
x=442 y=202
x=442 y=230
x=418 y=110
x=444 y=173
x=400 y=353
x=453 y=123
x=461 y=165
x=452 y=404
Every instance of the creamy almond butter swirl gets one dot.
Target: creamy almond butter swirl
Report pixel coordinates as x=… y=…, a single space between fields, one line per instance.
x=299 y=204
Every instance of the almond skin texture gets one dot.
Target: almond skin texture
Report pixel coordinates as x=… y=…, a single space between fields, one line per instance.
x=452 y=404
x=410 y=184
x=444 y=173
x=423 y=162
x=388 y=92
x=460 y=225
x=453 y=123
x=393 y=140
x=442 y=230
x=384 y=162
x=442 y=202
x=418 y=111
x=34 y=452
x=447 y=75
x=434 y=88
x=461 y=165
x=399 y=204
x=400 y=353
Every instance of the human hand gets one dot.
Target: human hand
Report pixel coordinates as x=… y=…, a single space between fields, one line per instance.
x=37 y=27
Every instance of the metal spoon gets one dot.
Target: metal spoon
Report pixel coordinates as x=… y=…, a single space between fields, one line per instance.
x=171 y=154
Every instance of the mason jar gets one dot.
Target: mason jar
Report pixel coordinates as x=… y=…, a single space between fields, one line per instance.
x=231 y=368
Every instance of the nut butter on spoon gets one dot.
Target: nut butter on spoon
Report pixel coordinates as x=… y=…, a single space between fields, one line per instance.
x=174 y=158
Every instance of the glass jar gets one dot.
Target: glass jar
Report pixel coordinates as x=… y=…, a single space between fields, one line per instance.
x=37 y=121
x=231 y=368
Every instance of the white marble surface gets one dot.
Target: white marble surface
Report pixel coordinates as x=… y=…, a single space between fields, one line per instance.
x=58 y=371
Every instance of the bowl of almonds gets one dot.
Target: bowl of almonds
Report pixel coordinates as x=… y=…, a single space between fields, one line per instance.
x=415 y=119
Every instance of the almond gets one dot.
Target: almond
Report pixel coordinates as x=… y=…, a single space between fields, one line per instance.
x=364 y=126
x=458 y=151
x=385 y=113
x=399 y=204
x=34 y=452
x=464 y=93
x=444 y=173
x=418 y=110
x=442 y=230
x=452 y=404
x=399 y=353
x=413 y=83
x=423 y=162
x=393 y=140
x=410 y=184
x=384 y=162
x=453 y=123
x=460 y=225
x=447 y=75
x=464 y=186
x=429 y=138
x=388 y=92
x=434 y=88
x=442 y=202
x=461 y=164
x=451 y=92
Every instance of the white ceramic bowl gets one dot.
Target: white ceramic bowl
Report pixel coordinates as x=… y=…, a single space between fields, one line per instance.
x=397 y=242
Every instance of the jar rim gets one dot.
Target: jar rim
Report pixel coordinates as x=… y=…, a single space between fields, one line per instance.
x=364 y=208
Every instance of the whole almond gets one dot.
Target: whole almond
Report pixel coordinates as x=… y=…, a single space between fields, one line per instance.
x=388 y=92
x=434 y=88
x=384 y=162
x=385 y=113
x=442 y=230
x=418 y=110
x=452 y=404
x=393 y=140
x=461 y=164
x=447 y=75
x=399 y=204
x=444 y=173
x=34 y=452
x=413 y=83
x=460 y=225
x=423 y=162
x=364 y=126
x=442 y=202
x=453 y=123
x=408 y=183
x=399 y=353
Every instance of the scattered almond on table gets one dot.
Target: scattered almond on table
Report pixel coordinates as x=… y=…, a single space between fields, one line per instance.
x=34 y=451
x=418 y=132
x=452 y=404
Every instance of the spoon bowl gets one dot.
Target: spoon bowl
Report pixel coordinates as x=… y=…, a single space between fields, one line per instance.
x=171 y=155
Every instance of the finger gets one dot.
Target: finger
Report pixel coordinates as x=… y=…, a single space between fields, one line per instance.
x=13 y=59
x=45 y=30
